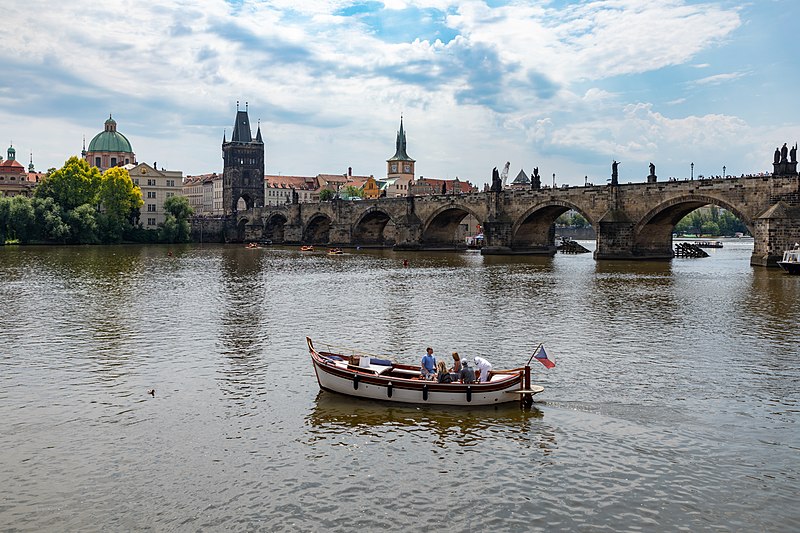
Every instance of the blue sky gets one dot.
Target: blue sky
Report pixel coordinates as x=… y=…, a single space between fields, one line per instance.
x=565 y=86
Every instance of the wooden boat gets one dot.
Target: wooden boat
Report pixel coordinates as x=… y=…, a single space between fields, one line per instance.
x=363 y=376
x=709 y=244
x=791 y=260
x=307 y=248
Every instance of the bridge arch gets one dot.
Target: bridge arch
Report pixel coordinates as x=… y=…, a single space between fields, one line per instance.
x=317 y=229
x=534 y=231
x=653 y=233
x=440 y=228
x=275 y=227
x=371 y=228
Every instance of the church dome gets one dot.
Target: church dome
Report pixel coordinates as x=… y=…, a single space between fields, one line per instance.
x=110 y=140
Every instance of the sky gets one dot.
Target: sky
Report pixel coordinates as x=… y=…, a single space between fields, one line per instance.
x=565 y=86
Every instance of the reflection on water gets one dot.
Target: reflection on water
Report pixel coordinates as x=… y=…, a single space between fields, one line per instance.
x=336 y=416
x=674 y=404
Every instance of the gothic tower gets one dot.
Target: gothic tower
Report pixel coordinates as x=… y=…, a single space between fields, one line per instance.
x=243 y=168
x=400 y=165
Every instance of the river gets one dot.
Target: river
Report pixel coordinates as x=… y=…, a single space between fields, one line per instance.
x=673 y=405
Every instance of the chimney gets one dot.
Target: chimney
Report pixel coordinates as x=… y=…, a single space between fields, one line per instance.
x=349 y=171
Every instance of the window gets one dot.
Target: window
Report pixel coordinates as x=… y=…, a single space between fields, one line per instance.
x=113 y=161
x=151 y=182
x=169 y=194
x=151 y=208
x=151 y=194
x=97 y=162
x=170 y=183
x=151 y=221
x=136 y=181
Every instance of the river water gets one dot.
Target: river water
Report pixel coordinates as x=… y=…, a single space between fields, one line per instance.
x=673 y=405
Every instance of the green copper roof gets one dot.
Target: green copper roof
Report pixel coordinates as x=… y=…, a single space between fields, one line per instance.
x=400 y=144
x=110 y=140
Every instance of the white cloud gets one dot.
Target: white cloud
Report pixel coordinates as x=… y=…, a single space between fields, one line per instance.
x=525 y=81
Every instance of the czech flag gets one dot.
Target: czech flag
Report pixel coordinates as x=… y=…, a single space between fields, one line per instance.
x=541 y=355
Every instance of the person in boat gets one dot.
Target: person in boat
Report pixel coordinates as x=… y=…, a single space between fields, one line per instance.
x=484 y=367
x=427 y=366
x=456 y=363
x=467 y=375
x=442 y=374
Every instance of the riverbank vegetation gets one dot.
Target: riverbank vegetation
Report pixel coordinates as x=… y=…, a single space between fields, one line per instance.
x=76 y=204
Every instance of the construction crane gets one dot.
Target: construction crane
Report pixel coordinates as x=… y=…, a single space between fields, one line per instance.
x=504 y=174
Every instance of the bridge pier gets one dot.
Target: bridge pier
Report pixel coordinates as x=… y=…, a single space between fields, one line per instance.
x=776 y=230
x=615 y=236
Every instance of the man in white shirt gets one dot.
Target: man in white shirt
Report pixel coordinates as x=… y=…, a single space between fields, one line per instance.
x=485 y=367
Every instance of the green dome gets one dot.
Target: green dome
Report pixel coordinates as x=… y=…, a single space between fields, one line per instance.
x=110 y=141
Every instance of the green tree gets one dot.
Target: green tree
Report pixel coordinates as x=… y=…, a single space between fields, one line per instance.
x=74 y=184
x=21 y=219
x=325 y=195
x=175 y=227
x=5 y=215
x=353 y=191
x=578 y=221
x=83 y=225
x=119 y=198
x=49 y=222
x=709 y=227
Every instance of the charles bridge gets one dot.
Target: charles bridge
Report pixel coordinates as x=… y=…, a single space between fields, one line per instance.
x=631 y=221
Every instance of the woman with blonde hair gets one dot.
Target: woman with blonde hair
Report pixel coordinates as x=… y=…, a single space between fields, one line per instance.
x=442 y=375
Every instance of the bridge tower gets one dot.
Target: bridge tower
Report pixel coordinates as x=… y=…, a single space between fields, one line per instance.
x=243 y=168
x=400 y=167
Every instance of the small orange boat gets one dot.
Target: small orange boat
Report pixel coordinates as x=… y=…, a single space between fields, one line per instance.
x=306 y=248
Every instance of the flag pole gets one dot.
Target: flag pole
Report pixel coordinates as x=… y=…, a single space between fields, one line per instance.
x=534 y=353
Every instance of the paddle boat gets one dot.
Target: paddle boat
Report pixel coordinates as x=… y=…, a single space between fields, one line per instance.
x=307 y=248
x=335 y=251
x=791 y=260
x=363 y=376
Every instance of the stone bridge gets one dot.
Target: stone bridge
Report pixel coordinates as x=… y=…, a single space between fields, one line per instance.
x=631 y=221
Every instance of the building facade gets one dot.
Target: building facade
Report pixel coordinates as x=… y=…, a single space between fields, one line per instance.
x=157 y=186
x=14 y=180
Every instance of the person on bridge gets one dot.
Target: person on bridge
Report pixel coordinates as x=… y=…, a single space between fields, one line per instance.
x=427 y=366
x=484 y=367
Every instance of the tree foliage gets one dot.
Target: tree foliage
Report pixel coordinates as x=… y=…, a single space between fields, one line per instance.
x=74 y=184
x=711 y=222
x=352 y=191
x=119 y=199
x=175 y=227
x=325 y=195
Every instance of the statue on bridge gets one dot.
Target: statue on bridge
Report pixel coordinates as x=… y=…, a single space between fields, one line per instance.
x=793 y=153
x=784 y=153
x=536 y=181
x=497 y=183
x=615 y=173
x=777 y=159
x=652 y=169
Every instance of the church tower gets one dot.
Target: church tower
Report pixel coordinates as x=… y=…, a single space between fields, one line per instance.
x=400 y=165
x=243 y=167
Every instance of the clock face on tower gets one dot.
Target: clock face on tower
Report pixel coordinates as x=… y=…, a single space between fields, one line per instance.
x=407 y=167
x=394 y=167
